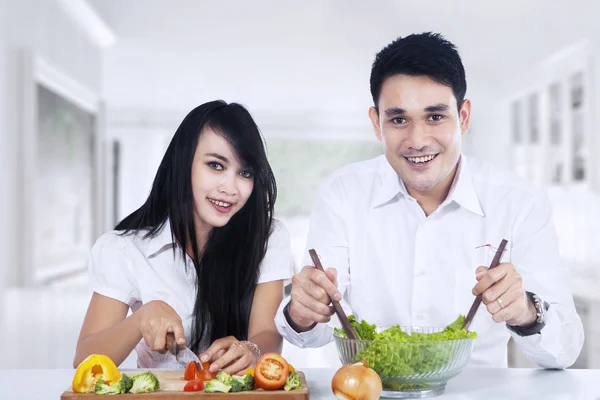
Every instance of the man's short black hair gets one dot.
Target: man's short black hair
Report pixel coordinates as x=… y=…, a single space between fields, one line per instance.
x=423 y=54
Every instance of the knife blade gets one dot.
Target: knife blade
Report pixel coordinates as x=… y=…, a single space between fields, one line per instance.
x=183 y=355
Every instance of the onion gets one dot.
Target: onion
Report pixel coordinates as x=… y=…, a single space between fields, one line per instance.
x=356 y=382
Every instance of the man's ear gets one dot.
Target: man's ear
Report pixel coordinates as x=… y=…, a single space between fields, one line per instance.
x=465 y=116
x=374 y=117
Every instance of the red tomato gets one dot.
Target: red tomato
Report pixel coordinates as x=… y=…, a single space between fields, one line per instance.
x=195 y=385
x=271 y=371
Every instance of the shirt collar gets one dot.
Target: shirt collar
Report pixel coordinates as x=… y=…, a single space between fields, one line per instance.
x=391 y=185
x=462 y=191
x=161 y=242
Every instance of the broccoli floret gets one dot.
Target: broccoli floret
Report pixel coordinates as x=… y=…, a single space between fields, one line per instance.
x=144 y=383
x=215 y=385
x=121 y=386
x=124 y=384
x=242 y=383
x=224 y=377
x=103 y=388
x=293 y=382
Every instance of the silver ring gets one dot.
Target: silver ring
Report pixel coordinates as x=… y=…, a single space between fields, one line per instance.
x=500 y=302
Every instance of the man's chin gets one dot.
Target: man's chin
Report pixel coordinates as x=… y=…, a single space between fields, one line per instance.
x=419 y=186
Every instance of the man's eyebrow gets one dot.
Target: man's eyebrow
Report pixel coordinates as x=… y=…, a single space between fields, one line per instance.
x=390 y=112
x=437 y=108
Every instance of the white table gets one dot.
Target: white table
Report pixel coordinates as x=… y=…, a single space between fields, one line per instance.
x=505 y=384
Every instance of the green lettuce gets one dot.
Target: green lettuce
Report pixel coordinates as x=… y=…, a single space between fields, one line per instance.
x=363 y=330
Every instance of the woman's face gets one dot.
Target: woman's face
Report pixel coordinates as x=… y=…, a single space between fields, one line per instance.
x=221 y=185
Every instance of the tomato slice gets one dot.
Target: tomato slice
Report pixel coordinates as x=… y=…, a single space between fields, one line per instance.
x=193 y=371
x=205 y=375
x=190 y=370
x=271 y=371
x=194 y=385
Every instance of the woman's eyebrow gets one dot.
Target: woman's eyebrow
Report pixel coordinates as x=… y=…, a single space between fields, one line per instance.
x=220 y=157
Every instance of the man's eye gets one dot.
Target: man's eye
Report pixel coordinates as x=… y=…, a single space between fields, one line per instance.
x=398 y=121
x=436 y=117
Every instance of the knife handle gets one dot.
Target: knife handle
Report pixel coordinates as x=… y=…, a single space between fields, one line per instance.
x=171 y=344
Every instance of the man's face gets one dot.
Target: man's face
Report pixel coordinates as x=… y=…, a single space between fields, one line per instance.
x=421 y=129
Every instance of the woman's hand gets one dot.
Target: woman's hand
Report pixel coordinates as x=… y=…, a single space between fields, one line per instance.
x=230 y=355
x=157 y=318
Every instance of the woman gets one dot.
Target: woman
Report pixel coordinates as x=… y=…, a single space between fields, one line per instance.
x=201 y=258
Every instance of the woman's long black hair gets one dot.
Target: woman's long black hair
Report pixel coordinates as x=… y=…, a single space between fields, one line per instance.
x=227 y=270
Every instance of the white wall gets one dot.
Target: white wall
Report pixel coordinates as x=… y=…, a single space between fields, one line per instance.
x=41 y=27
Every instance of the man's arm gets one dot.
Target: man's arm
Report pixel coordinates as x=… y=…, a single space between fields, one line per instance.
x=301 y=318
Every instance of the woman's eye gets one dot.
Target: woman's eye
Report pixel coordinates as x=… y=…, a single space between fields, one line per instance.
x=215 y=165
x=247 y=174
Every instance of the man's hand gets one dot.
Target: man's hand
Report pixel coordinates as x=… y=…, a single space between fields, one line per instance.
x=310 y=294
x=503 y=294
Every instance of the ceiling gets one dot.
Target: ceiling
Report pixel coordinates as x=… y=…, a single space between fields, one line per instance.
x=314 y=56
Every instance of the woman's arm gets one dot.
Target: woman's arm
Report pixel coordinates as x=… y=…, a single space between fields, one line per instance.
x=261 y=329
x=106 y=330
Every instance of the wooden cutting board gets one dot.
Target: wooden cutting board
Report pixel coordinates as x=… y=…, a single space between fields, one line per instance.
x=171 y=388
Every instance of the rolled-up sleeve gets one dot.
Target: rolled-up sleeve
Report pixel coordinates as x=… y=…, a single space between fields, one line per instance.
x=278 y=263
x=109 y=269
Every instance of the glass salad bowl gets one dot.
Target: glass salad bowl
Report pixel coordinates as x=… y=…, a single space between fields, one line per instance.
x=412 y=362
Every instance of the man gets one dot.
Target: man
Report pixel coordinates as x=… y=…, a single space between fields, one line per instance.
x=405 y=238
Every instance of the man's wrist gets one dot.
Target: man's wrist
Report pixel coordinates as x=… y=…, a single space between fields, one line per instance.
x=293 y=325
x=531 y=313
x=538 y=323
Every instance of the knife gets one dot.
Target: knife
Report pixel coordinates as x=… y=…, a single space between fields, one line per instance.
x=183 y=355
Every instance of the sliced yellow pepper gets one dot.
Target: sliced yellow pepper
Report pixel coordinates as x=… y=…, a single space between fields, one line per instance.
x=91 y=370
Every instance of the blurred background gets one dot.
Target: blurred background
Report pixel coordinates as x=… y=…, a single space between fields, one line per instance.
x=91 y=92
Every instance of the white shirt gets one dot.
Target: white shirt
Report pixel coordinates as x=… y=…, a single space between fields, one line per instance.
x=136 y=271
x=398 y=266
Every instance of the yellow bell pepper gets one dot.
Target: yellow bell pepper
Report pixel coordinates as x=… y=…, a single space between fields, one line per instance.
x=91 y=370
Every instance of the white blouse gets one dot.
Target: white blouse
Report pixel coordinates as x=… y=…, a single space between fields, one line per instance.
x=136 y=271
